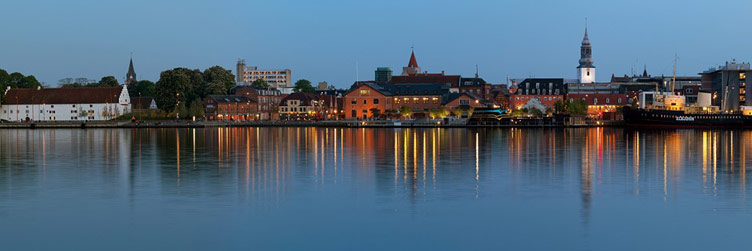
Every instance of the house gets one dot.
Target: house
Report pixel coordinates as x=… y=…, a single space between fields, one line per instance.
x=462 y=100
x=267 y=100
x=230 y=107
x=302 y=105
x=143 y=103
x=546 y=90
x=65 y=104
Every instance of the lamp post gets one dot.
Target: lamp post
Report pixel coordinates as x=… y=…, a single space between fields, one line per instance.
x=139 y=106
x=177 y=107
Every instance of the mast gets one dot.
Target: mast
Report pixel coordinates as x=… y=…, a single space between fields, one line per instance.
x=673 y=82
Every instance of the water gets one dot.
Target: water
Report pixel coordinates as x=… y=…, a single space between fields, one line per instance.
x=374 y=189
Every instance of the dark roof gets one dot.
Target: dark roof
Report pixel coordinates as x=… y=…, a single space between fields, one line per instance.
x=449 y=97
x=409 y=89
x=472 y=82
x=454 y=80
x=556 y=81
x=231 y=99
x=332 y=92
x=141 y=102
x=83 y=95
x=305 y=98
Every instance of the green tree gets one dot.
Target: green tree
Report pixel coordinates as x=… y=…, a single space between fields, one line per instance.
x=219 y=80
x=173 y=86
x=406 y=111
x=196 y=108
x=16 y=80
x=108 y=81
x=303 y=85
x=457 y=112
x=577 y=107
x=560 y=107
x=375 y=112
x=145 y=87
x=261 y=83
x=534 y=111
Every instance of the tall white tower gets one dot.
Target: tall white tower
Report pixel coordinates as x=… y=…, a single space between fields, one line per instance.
x=586 y=70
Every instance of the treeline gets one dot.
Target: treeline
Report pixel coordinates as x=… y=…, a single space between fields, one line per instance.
x=16 y=80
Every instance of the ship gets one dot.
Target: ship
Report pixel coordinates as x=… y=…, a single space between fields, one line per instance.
x=667 y=109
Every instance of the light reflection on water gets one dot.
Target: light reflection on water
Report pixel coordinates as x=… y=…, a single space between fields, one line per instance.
x=341 y=188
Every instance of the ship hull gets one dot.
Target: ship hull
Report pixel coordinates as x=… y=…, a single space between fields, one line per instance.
x=678 y=119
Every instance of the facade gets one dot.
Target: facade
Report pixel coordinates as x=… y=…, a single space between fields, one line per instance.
x=459 y=100
x=276 y=78
x=728 y=85
x=383 y=75
x=517 y=101
x=599 y=103
x=302 y=105
x=360 y=101
x=586 y=69
x=130 y=77
x=267 y=100
x=477 y=86
x=230 y=107
x=333 y=103
x=65 y=104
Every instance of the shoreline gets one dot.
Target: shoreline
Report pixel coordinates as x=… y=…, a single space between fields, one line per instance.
x=331 y=124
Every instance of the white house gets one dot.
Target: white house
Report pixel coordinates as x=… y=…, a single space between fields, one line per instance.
x=65 y=104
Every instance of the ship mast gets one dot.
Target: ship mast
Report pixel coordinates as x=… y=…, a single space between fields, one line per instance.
x=673 y=81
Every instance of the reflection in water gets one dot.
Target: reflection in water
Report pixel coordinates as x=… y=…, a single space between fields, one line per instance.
x=270 y=167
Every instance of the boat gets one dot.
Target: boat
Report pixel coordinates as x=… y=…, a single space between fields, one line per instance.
x=667 y=109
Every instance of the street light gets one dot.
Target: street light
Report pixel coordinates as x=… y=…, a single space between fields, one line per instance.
x=177 y=106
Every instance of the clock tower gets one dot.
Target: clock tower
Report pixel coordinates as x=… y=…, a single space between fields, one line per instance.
x=586 y=70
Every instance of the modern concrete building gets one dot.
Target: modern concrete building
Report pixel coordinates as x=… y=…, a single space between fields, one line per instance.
x=383 y=74
x=276 y=78
x=728 y=85
x=65 y=104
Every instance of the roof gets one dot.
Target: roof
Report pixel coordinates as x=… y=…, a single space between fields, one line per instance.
x=409 y=89
x=472 y=82
x=231 y=99
x=305 y=98
x=454 y=80
x=449 y=97
x=83 y=95
x=413 y=63
x=141 y=102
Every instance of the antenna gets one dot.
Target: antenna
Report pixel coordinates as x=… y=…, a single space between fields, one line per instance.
x=476 y=70
x=357 y=75
x=673 y=82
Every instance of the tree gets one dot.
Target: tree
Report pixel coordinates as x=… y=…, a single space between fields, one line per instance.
x=457 y=112
x=219 y=79
x=406 y=111
x=196 y=108
x=303 y=85
x=108 y=81
x=375 y=112
x=443 y=112
x=144 y=87
x=16 y=80
x=577 y=107
x=560 y=107
x=470 y=112
x=534 y=111
x=173 y=86
x=261 y=83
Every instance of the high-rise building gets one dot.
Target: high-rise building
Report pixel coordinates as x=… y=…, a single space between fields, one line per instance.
x=586 y=70
x=276 y=78
x=130 y=77
x=727 y=85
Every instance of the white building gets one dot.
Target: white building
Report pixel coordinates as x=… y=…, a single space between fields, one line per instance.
x=65 y=104
x=276 y=78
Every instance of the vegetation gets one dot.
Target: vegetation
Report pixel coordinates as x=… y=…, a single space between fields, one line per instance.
x=196 y=109
x=577 y=107
x=406 y=112
x=375 y=112
x=108 y=81
x=438 y=113
x=144 y=88
x=185 y=86
x=261 y=83
x=16 y=80
x=303 y=85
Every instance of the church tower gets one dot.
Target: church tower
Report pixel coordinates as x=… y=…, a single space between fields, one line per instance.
x=131 y=76
x=586 y=70
x=412 y=66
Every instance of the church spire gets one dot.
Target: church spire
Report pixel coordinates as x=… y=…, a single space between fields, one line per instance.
x=586 y=69
x=413 y=63
x=412 y=66
x=130 y=77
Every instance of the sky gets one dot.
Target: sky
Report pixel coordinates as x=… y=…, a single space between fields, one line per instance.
x=343 y=41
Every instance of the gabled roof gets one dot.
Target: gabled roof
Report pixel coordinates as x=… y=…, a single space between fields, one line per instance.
x=446 y=98
x=141 y=102
x=305 y=98
x=83 y=95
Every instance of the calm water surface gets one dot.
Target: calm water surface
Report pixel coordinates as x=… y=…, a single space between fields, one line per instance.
x=374 y=189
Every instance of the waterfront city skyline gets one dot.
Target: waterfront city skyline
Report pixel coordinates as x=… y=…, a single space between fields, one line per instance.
x=325 y=41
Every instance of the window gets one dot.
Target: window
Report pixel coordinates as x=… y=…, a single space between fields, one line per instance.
x=365 y=92
x=619 y=100
x=396 y=101
x=407 y=100
x=416 y=101
x=608 y=100
x=354 y=102
x=425 y=100
x=375 y=101
x=354 y=114
x=464 y=102
x=365 y=101
x=595 y=101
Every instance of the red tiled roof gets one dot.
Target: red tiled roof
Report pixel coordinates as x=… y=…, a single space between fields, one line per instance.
x=83 y=95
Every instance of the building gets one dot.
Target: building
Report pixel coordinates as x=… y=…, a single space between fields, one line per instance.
x=586 y=69
x=412 y=74
x=412 y=67
x=545 y=90
x=65 y=104
x=230 y=107
x=276 y=78
x=143 y=103
x=501 y=96
x=267 y=100
x=301 y=105
x=384 y=74
x=477 y=86
x=130 y=77
x=451 y=101
x=360 y=101
x=333 y=103
x=727 y=85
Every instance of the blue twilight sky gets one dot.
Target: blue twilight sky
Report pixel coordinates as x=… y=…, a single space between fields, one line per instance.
x=322 y=40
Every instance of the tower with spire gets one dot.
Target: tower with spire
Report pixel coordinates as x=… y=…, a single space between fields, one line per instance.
x=130 y=77
x=586 y=70
x=412 y=66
